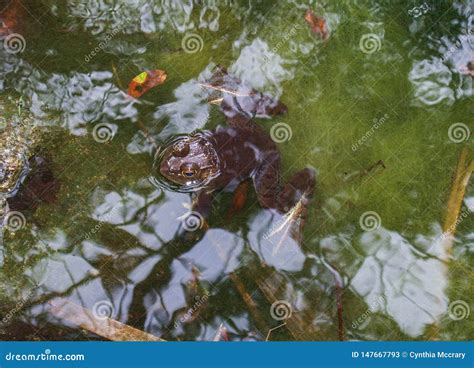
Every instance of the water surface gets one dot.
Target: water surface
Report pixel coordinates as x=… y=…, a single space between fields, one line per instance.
x=388 y=84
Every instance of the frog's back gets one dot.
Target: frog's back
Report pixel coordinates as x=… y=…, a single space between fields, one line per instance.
x=243 y=147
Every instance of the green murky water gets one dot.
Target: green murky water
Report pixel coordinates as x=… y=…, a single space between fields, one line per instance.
x=373 y=109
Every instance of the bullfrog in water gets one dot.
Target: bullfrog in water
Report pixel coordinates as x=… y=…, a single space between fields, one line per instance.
x=221 y=159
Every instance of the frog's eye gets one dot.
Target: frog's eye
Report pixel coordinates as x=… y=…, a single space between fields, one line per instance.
x=180 y=149
x=189 y=170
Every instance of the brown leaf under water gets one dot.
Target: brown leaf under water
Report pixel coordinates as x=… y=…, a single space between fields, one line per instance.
x=318 y=24
x=239 y=199
x=145 y=81
x=11 y=14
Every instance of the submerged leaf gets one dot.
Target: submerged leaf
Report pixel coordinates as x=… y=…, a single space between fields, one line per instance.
x=145 y=81
x=318 y=24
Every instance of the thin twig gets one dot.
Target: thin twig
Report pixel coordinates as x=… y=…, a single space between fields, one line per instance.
x=221 y=89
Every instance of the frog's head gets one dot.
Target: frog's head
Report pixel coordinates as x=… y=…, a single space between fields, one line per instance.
x=188 y=162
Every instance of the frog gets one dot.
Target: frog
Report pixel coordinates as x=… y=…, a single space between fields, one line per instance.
x=208 y=161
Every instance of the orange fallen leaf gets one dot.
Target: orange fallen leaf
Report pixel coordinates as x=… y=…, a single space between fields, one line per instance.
x=318 y=24
x=145 y=81
x=240 y=197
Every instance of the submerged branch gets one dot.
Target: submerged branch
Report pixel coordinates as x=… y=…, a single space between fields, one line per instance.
x=461 y=176
x=106 y=327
